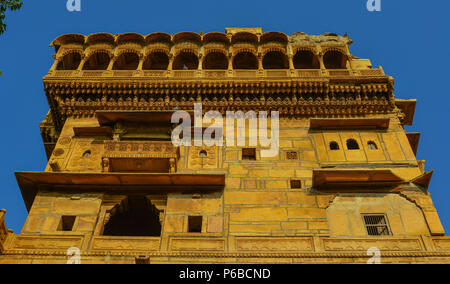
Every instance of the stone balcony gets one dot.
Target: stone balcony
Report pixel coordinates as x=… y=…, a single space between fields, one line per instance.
x=217 y=74
x=140 y=156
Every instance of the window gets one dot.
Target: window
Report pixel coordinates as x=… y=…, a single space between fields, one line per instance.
x=203 y=154
x=142 y=260
x=195 y=224
x=66 y=224
x=135 y=216
x=334 y=146
x=372 y=146
x=249 y=154
x=292 y=155
x=296 y=184
x=352 y=144
x=376 y=225
x=87 y=154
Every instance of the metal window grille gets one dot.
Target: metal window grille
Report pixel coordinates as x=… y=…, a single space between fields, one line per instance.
x=376 y=225
x=292 y=155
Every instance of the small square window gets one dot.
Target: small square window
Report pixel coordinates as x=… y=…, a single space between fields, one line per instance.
x=296 y=184
x=66 y=224
x=292 y=155
x=195 y=224
x=249 y=154
x=376 y=225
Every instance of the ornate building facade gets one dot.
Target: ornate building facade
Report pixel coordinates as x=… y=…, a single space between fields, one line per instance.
x=345 y=179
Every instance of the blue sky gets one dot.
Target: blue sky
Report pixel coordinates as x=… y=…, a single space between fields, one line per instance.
x=408 y=38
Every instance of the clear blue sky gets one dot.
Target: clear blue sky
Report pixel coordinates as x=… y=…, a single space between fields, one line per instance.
x=410 y=39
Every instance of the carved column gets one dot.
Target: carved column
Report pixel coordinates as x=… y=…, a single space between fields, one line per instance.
x=111 y=63
x=83 y=61
x=55 y=64
x=141 y=62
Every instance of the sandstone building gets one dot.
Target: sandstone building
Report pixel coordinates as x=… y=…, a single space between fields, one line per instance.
x=345 y=179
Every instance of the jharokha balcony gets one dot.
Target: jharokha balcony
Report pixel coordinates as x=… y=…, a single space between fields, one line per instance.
x=137 y=156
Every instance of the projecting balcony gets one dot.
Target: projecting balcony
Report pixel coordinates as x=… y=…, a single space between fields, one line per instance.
x=140 y=156
x=217 y=74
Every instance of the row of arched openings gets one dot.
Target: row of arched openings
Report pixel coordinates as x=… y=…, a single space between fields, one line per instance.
x=303 y=59
x=352 y=144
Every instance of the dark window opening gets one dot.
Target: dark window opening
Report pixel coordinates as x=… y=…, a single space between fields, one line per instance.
x=185 y=61
x=66 y=224
x=249 y=154
x=296 y=184
x=70 y=61
x=334 y=146
x=215 y=60
x=87 y=154
x=156 y=61
x=352 y=144
x=372 y=145
x=305 y=59
x=275 y=60
x=376 y=225
x=127 y=61
x=245 y=60
x=195 y=224
x=142 y=260
x=97 y=61
x=135 y=216
x=335 y=60
x=203 y=154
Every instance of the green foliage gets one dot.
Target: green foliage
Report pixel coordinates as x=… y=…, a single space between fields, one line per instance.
x=5 y=5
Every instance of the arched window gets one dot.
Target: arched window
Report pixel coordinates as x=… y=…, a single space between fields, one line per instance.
x=135 y=216
x=156 y=61
x=215 y=60
x=127 y=61
x=97 y=61
x=185 y=61
x=70 y=61
x=352 y=144
x=275 y=60
x=305 y=59
x=334 y=146
x=372 y=145
x=335 y=60
x=203 y=154
x=245 y=60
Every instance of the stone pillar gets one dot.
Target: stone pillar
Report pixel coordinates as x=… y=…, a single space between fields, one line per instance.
x=111 y=63
x=55 y=64
x=83 y=61
x=141 y=62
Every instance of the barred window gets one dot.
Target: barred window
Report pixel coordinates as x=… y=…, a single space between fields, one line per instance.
x=291 y=155
x=376 y=225
x=296 y=184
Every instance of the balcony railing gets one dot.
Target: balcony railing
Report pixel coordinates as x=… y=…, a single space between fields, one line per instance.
x=218 y=74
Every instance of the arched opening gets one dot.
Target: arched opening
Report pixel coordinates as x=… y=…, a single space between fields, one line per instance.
x=245 y=60
x=203 y=154
x=127 y=61
x=156 y=61
x=215 y=61
x=97 y=61
x=275 y=60
x=372 y=145
x=352 y=144
x=305 y=59
x=335 y=60
x=185 y=61
x=70 y=61
x=334 y=146
x=135 y=216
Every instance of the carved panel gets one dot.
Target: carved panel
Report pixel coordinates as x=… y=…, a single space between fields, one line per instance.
x=86 y=156
x=47 y=242
x=137 y=149
x=387 y=244
x=125 y=243
x=274 y=244
x=197 y=244
x=442 y=244
x=203 y=157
